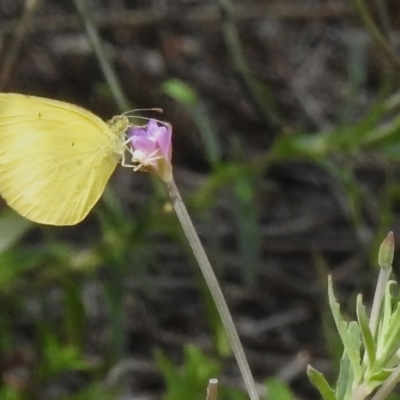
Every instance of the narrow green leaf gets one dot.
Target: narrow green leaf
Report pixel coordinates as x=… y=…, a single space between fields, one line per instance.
x=345 y=379
x=379 y=378
x=319 y=381
x=351 y=347
x=168 y=369
x=180 y=91
x=188 y=97
x=385 y=320
x=12 y=228
x=366 y=333
x=390 y=335
x=354 y=334
x=278 y=390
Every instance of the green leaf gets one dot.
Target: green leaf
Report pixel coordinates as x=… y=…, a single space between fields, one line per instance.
x=95 y=391
x=278 y=390
x=319 y=381
x=58 y=357
x=190 y=380
x=368 y=340
x=391 y=338
x=12 y=228
x=180 y=91
x=244 y=206
x=168 y=369
x=345 y=379
x=188 y=97
x=385 y=320
x=379 y=378
x=347 y=335
x=15 y=263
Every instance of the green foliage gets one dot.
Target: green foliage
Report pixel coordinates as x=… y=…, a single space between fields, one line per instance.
x=319 y=381
x=26 y=274
x=190 y=380
x=188 y=98
x=15 y=226
x=277 y=390
x=370 y=345
x=350 y=337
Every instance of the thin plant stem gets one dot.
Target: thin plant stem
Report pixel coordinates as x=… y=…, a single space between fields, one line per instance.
x=262 y=100
x=389 y=385
x=214 y=287
x=212 y=389
x=384 y=19
x=8 y=60
x=377 y=34
x=360 y=393
x=105 y=64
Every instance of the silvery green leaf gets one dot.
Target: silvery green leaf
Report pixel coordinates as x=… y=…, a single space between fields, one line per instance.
x=349 y=335
x=379 y=378
x=391 y=339
x=345 y=379
x=385 y=321
x=366 y=333
x=319 y=381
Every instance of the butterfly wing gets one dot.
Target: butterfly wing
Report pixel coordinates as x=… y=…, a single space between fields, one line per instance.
x=55 y=158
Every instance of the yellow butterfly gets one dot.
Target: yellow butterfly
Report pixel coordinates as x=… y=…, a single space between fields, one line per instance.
x=55 y=157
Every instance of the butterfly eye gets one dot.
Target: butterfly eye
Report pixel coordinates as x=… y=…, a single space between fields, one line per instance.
x=119 y=124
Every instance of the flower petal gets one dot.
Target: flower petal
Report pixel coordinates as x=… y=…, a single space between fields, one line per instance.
x=144 y=144
x=151 y=148
x=163 y=137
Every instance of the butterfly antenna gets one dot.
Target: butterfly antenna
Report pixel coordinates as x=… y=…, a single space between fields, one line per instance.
x=148 y=119
x=132 y=112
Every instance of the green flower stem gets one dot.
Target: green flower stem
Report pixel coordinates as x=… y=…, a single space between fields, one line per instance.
x=360 y=393
x=262 y=100
x=214 y=288
x=105 y=63
x=10 y=57
x=380 y=39
x=384 y=274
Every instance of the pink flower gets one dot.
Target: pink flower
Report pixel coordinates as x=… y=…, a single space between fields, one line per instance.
x=151 y=148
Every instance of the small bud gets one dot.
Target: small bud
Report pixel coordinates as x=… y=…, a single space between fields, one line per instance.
x=386 y=252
